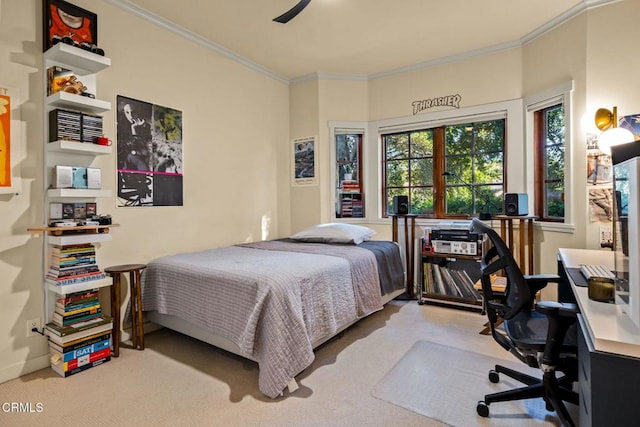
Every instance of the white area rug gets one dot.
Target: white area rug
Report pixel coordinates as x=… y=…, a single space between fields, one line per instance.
x=445 y=383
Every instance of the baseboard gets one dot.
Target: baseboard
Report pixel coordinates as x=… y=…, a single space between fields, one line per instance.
x=23 y=368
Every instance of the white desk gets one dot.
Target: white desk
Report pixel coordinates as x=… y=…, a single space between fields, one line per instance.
x=608 y=351
x=609 y=328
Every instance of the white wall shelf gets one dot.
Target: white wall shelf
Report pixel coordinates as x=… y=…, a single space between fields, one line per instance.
x=78 y=287
x=82 y=61
x=82 y=148
x=77 y=102
x=77 y=239
x=77 y=192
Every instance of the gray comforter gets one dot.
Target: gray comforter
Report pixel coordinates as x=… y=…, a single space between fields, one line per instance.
x=272 y=299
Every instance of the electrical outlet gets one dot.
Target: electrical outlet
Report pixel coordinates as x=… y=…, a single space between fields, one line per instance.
x=606 y=236
x=33 y=323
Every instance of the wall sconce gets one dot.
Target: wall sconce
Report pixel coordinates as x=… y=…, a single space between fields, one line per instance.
x=607 y=121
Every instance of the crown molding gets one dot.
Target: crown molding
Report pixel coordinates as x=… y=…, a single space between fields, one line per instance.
x=140 y=12
x=579 y=8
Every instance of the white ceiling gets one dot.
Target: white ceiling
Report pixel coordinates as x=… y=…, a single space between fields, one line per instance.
x=357 y=37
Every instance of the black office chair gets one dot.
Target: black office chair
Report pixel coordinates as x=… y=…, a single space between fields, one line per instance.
x=542 y=335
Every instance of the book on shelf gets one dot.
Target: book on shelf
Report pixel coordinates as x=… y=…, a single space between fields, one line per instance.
x=80 y=342
x=77 y=307
x=62 y=331
x=76 y=337
x=72 y=319
x=58 y=356
x=73 y=261
x=77 y=298
x=72 y=271
x=72 y=249
x=80 y=367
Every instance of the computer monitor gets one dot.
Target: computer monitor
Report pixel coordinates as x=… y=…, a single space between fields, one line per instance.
x=626 y=226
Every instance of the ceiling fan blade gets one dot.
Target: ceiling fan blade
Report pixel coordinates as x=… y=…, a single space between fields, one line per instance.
x=291 y=13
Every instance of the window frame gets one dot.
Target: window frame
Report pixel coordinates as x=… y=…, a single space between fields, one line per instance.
x=541 y=155
x=561 y=94
x=348 y=127
x=439 y=158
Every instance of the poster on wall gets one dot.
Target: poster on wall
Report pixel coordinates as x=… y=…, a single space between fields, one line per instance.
x=601 y=204
x=304 y=161
x=10 y=140
x=149 y=155
x=632 y=123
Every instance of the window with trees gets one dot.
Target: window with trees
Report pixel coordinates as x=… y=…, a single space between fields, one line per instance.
x=349 y=190
x=446 y=171
x=549 y=139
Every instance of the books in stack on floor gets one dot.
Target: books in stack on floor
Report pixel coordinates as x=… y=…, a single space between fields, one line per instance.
x=86 y=347
x=70 y=331
x=95 y=327
x=74 y=366
x=80 y=346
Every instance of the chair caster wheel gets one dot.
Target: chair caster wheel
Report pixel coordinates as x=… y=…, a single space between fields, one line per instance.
x=482 y=409
x=549 y=407
x=493 y=376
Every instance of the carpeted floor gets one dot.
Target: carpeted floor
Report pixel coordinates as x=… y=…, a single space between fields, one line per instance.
x=445 y=383
x=179 y=381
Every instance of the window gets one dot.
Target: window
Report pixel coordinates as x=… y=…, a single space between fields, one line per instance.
x=471 y=155
x=549 y=139
x=349 y=191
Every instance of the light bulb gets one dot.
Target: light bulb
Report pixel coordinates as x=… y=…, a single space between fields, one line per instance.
x=614 y=136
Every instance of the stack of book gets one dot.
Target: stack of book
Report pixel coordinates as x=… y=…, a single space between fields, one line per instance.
x=79 y=335
x=70 y=264
x=350 y=186
x=350 y=199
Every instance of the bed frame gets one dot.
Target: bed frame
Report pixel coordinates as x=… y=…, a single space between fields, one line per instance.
x=189 y=329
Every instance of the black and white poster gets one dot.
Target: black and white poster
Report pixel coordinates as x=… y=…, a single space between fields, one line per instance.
x=149 y=159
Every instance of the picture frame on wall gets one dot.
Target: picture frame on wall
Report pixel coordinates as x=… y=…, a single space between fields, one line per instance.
x=64 y=22
x=303 y=161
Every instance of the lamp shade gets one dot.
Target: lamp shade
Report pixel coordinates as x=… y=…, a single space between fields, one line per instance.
x=614 y=136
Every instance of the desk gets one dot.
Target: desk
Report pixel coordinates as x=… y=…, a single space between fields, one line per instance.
x=525 y=239
x=608 y=350
x=409 y=241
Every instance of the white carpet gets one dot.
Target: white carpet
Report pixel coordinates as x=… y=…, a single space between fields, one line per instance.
x=445 y=383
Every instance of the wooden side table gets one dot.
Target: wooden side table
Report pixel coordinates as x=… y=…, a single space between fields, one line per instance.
x=409 y=239
x=137 y=329
x=525 y=239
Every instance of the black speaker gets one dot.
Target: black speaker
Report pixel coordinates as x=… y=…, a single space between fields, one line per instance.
x=516 y=204
x=401 y=205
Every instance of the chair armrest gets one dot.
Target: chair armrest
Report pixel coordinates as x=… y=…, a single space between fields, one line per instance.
x=557 y=309
x=561 y=317
x=537 y=282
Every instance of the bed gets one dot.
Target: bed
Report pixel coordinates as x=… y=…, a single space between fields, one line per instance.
x=273 y=301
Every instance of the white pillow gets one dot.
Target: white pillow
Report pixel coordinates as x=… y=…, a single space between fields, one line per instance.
x=334 y=232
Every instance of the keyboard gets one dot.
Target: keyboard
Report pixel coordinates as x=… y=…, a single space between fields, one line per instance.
x=589 y=271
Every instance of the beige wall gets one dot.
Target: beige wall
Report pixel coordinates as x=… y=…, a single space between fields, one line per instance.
x=236 y=157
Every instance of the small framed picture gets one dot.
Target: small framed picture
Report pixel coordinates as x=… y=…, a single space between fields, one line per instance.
x=70 y=24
